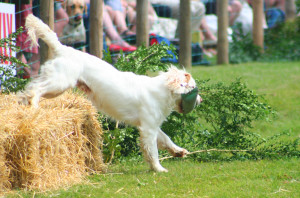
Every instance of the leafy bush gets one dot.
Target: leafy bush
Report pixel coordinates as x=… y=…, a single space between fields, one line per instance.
x=283 y=41
x=119 y=140
x=144 y=59
x=229 y=112
x=242 y=49
x=9 y=81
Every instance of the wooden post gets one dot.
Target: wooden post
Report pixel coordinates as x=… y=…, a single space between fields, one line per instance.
x=185 y=35
x=223 y=21
x=290 y=9
x=47 y=16
x=142 y=32
x=258 y=30
x=96 y=27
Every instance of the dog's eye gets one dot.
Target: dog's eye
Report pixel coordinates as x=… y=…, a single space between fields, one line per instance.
x=81 y=7
x=183 y=84
x=72 y=6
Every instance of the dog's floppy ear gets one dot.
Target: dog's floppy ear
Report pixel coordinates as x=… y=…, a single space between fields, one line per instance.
x=188 y=77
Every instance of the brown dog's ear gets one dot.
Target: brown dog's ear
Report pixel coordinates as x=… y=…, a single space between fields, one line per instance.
x=188 y=77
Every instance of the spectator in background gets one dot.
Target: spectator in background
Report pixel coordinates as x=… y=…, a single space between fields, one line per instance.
x=117 y=42
x=198 y=21
x=61 y=16
x=130 y=7
x=27 y=54
x=118 y=15
x=197 y=12
x=234 y=9
x=274 y=11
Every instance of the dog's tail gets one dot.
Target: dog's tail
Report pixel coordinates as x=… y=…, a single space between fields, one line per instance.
x=37 y=29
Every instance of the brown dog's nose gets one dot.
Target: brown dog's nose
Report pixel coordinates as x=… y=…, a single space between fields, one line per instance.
x=78 y=17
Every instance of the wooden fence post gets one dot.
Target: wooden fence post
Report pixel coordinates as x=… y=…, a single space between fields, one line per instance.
x=142 y=28
x=96 y=28
x=290 y=9
x=47 y=16
x=258 y=30
x=222 y=44
x=185 y=55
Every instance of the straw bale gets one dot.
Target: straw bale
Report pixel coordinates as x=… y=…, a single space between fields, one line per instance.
x=54 y=145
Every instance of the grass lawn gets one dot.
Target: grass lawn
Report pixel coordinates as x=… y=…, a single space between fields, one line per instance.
x=187 y=178
x=280 y=83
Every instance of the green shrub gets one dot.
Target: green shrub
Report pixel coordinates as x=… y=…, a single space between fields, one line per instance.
x=242 y=49
x=144 y=59
x=283 y=42
x=229 y=111
x=9 y=81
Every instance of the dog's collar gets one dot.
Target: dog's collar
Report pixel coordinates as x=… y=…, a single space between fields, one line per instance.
x=75 y=24
x=188 y=100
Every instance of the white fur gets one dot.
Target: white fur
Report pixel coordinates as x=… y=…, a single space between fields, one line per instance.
x=138 y=100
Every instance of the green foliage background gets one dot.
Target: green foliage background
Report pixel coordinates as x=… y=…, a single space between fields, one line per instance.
x=281 y=43
x=9 y=81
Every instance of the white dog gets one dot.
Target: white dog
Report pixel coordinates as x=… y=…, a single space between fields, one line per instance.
x=138 y=100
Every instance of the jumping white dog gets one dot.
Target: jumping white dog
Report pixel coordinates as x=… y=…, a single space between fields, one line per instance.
x=137 y=100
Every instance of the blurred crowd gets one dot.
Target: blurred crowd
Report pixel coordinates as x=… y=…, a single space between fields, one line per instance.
x=119 y=22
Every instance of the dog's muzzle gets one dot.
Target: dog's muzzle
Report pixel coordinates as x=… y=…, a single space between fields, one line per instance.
x=190 y=100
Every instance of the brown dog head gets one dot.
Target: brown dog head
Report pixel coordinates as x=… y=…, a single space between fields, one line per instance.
x=75 y=10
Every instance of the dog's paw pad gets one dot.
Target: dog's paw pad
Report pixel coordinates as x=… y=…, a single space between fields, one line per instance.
x=181 y=153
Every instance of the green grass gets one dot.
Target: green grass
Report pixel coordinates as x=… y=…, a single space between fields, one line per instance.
x=280 y=83
x=191 y=179
x=188 y=178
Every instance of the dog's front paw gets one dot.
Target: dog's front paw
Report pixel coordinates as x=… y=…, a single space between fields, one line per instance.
x=160 y=169
x=22 y=99
x=180 y=153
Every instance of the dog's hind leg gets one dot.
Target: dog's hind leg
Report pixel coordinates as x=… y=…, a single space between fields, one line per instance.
x=149 y=147
x=48 y=87
x=165 y=143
